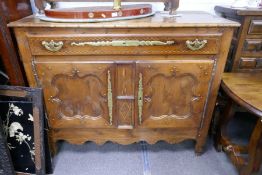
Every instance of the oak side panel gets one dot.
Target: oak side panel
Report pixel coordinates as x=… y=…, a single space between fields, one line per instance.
x=220 y=65
x=26 y=55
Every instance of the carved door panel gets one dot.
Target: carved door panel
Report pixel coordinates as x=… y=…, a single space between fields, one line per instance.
x=78 y=94
x=172 y=93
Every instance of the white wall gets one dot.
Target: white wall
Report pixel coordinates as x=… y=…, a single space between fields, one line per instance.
x=202 y=5
x=185 y=5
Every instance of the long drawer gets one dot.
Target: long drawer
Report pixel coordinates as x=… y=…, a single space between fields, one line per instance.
x=129 y=44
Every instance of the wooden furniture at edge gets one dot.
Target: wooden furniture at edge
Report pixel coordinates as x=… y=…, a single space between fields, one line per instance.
x=246 y=50
x=244 y=89
x=147 y=79
x=11 y=11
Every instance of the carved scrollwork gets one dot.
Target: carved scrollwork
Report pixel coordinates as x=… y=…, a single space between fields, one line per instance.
x=166 y=99
x=82 y=101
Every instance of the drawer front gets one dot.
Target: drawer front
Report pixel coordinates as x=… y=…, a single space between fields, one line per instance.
x=253 y=45
x=247 y=63
x=255 y=27
x=128 y=44
x=250 y=63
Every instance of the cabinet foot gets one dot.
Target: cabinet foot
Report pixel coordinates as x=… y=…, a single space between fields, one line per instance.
x=198 y=150
x=218 y=147
x=53 y=147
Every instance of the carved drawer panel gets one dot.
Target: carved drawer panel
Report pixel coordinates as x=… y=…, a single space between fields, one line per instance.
x=253 y=46
x=251 y=63
x=172 y=93
x=255 y=27
x=128 y=44
x=125 y=113
x=77 y=94
x=247 y=63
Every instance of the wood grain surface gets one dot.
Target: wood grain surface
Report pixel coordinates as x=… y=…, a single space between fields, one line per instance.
x=11 y=11
x=246 y=89
x=160 y=20
x=157 y=88
x=247 y=42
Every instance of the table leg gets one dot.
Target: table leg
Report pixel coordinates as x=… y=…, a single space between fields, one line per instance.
x=254 y=147
x=221 y=133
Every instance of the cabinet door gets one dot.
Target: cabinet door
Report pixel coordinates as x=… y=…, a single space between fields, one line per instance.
x=77 y=94
x=172 y=93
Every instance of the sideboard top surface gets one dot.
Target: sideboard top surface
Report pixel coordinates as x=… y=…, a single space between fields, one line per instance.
x=184 y=19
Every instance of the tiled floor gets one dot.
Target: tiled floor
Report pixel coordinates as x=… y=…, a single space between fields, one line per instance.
x=140 y=159
x=145 y=159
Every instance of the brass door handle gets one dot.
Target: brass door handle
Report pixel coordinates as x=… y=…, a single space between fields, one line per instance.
x=52 y=45
x=196 y=45
x=140 y=98
x=109 y=97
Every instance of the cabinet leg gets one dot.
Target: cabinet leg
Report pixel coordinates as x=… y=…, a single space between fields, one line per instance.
x=198 y=149
x=52 y=143
x=53 y=147
x=258 y=160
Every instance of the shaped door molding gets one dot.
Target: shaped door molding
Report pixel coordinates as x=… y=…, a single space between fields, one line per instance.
x=78 y=94
x=174 y=92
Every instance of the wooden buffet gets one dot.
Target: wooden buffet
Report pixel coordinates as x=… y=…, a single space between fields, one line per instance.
x=147 y=79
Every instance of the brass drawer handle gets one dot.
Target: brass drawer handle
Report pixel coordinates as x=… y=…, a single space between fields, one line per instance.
x=109 y=97
x=52 y=45
x=196 y=45
x=123 y=43
x=140 y=98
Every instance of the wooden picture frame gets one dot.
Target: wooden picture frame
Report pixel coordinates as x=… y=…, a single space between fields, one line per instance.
x=35 y=96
